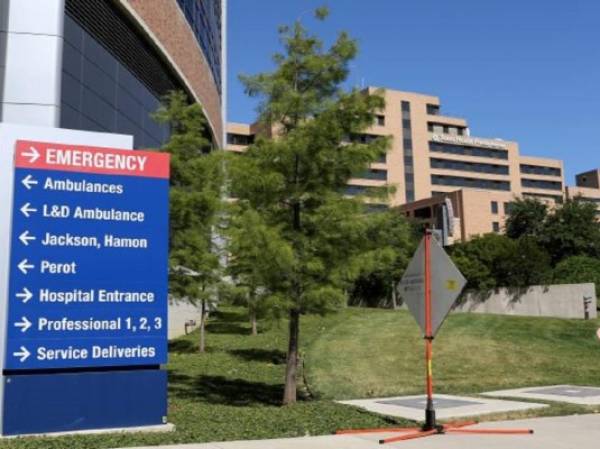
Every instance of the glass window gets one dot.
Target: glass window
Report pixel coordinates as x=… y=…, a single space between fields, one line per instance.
x=541 y=184
x=469 y=166
x=494 y=207
x=496 y=226
x=467 y=150
x=486 y=184
x=100 y=94
x=433 y=109
x=380 y=120
x=540 y=170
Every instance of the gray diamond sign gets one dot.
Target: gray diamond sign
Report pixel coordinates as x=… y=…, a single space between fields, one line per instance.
x=446 y=285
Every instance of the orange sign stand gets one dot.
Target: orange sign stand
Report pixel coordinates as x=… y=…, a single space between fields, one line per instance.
x=431 y=427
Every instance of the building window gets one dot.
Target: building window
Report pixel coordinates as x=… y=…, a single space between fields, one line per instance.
x=380 y=120
x=407 y=144
x=458 y=181
x=507 y=208
x=102 y=86
x=239 y=139
x=355 y=190
x=464 y=150
x=433 y=109
x=447 y=164
x=539 y=170
x=374 y=173
x=541 y=184
x=496 y=226
x=204 y=18
x=495 y=207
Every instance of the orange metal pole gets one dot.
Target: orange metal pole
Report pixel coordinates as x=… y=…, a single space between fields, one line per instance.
x=429 y=411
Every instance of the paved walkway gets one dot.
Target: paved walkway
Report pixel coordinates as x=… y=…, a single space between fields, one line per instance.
x=566 y=432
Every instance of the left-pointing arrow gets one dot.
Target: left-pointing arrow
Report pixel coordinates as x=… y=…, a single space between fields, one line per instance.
x=25 y=266
x=25 y=238
x=27 y=210
x=23 y=354
x=28 y=181
x=24 y=324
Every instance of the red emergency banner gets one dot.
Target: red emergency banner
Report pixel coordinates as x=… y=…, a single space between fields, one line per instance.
x=88 y=159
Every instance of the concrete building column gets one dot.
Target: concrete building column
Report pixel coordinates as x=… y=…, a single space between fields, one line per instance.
x=31 y=43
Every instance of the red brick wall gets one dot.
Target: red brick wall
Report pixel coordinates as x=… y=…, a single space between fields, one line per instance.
x=165 y=20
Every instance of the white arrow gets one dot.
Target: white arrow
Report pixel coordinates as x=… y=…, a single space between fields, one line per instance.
x=25 y=295
x=23 y=354
x=27 y=210
x=33 y=155
x=28 y=181
x=25 y=237
x=24 y=266
x=24 y=324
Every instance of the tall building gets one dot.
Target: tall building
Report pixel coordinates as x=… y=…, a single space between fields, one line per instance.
x=434 y=156
x=103 y=65
x=587 y=187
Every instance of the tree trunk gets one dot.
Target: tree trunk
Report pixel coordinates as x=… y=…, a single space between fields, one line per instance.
x=253 y=320
x=289 y=394
x=202 y=346
x=394 y=297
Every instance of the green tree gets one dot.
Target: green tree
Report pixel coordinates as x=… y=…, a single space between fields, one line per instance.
x=527 y=217
x=390 y=245
x=260 y=262
x=493 y=260
x=572 y=230
x=578 y=270
x=296 y=181
x=196 y=180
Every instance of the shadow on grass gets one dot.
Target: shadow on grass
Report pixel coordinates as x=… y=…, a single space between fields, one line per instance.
x=274 y=356
x=227 y=328
x=223 y=391
x=183 y=346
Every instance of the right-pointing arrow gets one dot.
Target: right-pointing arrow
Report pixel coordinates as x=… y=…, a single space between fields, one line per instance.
x=25 y=238
x=25 y=295
x=23 y=354
x=25 y=266
x=27 y=210
x=24 y=324
x=33 y=155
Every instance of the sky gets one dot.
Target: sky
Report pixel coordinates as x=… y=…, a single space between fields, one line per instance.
x=522 y=70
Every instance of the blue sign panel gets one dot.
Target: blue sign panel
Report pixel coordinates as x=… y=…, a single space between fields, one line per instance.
x=89 y=258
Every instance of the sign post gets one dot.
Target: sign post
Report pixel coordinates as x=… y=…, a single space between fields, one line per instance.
x=86 y=324
x=430 y=286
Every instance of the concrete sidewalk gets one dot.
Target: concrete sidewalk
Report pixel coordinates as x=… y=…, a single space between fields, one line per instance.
x=565 y=432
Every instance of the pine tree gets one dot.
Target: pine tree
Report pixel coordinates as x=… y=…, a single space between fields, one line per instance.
x=196 y=180
x=296 y=180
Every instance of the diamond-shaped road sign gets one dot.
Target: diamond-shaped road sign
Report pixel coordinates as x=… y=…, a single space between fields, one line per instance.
x=446 y=284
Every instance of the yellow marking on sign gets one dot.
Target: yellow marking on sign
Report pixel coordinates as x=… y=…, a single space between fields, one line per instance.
x=452 y=285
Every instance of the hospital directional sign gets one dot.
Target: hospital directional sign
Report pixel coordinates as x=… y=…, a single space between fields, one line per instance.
x=447 y=282
x=89 y=252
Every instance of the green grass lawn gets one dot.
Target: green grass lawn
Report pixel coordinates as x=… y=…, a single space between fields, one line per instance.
x=378 y=353
x=233 y=391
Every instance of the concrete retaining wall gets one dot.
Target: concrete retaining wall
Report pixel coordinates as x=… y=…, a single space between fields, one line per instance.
x=181 y=312
x=561 y=301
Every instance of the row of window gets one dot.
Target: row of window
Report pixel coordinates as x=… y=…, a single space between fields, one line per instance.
x=204 y=18
x=440 y=128
x=240 y=139
x=459 y=181
x=467 y=151
x=409 y=179
x=540 y=170
x=374 y=173
x=469 y=166
x=557 y=198
x=496 y=210
x=99 y=93
x=541 y=184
